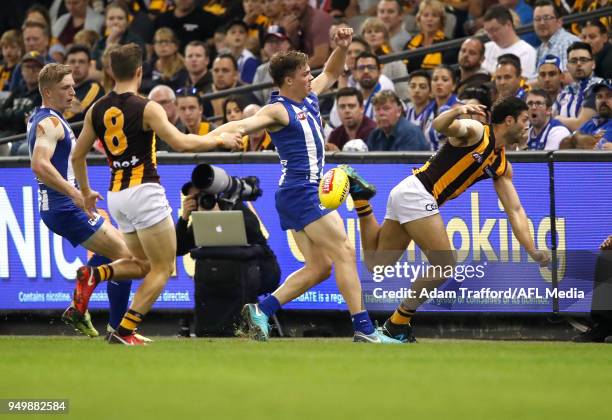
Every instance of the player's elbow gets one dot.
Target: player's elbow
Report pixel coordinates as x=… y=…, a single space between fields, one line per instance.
x=38 y=167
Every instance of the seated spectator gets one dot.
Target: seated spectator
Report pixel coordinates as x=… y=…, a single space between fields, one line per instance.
x=595 y=34
x=393 y=132
x=260 y=141
x=12 y=51
x=166 y=97
x=308 y=30
x=391 y=13
x=507 y=77
x=22 y=100
x=257 y=23
x=233 y=107
x=550 y=76
x=471 y=57
x=430 y=20
x=236 y=36
x=443 y=85
x=421 y=108
x=274 y=12
x=86 y=91
x=275 y=41
x=117 y=31
x=354 y=124
x=188 y=21
x=79 y=16
x=36 y=38
x=524 y=13
x=225 y=76
x=545 y=132
x=474 y=95
x=548 y=26
x=169 y=67
x=376 y=34
x=596 y=133
x=196 y=64
x=499 y=27
x=575 y=104
x=190 y=113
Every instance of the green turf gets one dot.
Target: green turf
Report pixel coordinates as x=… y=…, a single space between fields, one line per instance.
x=310 y=379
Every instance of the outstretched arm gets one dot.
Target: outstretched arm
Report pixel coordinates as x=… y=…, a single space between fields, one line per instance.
x=464 y=130
x=518 y=218
x=269 y=117
x=335 y=63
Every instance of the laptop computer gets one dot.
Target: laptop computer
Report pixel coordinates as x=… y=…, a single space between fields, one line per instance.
x=219 y=228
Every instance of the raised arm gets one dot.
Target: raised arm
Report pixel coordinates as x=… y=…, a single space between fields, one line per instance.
x=518 y=218
x=335 y=63
x=463 y=130
x=155 y=118
x=273 y=116
x=48 y=132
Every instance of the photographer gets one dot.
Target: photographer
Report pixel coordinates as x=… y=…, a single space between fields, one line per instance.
x=220 y=283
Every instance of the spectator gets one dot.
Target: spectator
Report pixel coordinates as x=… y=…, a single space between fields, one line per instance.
x=87 y=37
x=166 y=97
x=471 y=57
x=38 y=13
x=597 y=132
x=190 y=113
x=36 y=38
x=524 y=12
x=477 y=95
x=233 y=108
x=393 y=133
x=430 y=19
x=236 y=35
x=169 y=67
x=575 y=104
x=308 y=29
x=508 y=78
x=257 y=23
x=443 y=86
x=354 y=124
x=421 y=107
x=196 y=64
x=259 y=141
x=79 y=16
x=117 y=31
x=225 y=76
x=503 y=40
x=595 y=34
x=367 y=75
x=273 y=10
x=391 y=13
x=188 y=22
x=548 y=26
x=275 y=41
x=22 y=100
x=12 y=51
x=86 y=91
x=545 y=132
x=550 y=76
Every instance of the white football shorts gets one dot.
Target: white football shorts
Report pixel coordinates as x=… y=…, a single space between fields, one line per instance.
x=139 y=207
x=409 y=200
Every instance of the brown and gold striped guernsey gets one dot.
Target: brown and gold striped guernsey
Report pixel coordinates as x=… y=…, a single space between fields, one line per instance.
x=117 y=121
x=452 y=170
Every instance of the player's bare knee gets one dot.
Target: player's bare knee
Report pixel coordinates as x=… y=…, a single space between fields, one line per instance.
x=143 y=265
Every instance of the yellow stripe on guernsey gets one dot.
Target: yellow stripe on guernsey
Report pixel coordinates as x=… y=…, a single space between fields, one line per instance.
x=153 y=152
x=204 y=128
x=136 y=175
x=458 y=168
x=117 y=178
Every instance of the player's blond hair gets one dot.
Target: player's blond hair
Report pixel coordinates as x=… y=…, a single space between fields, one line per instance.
x=51 y=74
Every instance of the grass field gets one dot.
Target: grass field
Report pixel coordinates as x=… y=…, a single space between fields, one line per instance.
x=310 y=379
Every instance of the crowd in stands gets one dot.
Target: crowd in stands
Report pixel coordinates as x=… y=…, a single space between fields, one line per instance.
x=192 y=48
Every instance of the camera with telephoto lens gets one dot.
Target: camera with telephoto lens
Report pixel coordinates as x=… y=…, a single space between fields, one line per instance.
x=216 y=186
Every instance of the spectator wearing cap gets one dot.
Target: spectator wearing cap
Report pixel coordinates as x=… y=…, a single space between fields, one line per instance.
x=354 y=124
x=308 y=30
x=499 y=27
x=196 y=64
x=576 y=102
x=548 y=26
x=275 y=41
x=188 y=21
x=597 y=132
x=12 y=51
x=79 y=16
x=471 y=57
x=545 y=132
x=393 y=133
x=86 y=91
x=236 y=37
x=23 y=99
x=550 y=76
x=595 y=34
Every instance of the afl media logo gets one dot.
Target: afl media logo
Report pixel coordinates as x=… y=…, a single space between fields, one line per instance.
x=477 y=157
x=301 y=116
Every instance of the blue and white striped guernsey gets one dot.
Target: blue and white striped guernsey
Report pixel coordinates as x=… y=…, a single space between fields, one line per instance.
x=301 y=144
x=570 y=101
x=48 y=197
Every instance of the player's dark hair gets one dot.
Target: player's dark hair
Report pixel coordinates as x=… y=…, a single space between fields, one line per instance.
x=507 y=107
x=125 y=60
x=284 y=64
x=481 y=94
x=349 y=91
